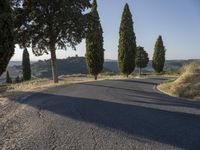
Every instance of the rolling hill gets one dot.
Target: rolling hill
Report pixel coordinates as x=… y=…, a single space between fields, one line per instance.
x=77 y=65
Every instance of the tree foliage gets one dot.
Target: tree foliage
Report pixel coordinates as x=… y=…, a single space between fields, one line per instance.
x=26 y=66
x=127 y=43
x=142 y=58
x=6 y=35
x=159 y=55
x=48 y=25
x=94 y=43
x=17 y=79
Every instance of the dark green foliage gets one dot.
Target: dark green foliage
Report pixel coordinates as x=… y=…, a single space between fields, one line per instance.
x=94 y=43
x=17 y=79
x=127 y=43
x=8 y=78
x=142 y=58
x=49 y=25
x=26 y=66
x=15 y=3
x=159 y=55
x=6 y=35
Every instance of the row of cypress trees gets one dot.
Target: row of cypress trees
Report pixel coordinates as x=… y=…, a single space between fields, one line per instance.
x=131 y=56
x=128 y=52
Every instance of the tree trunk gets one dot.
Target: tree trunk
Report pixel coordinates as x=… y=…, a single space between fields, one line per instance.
x=139 y=71
x=95 y=77
x=53 y=63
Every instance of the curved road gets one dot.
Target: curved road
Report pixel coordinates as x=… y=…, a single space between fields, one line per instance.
x=106 y=115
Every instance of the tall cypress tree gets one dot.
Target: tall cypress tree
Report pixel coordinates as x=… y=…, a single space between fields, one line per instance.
x=127 y=43
x=6 y=35
x=8 y=78
x=159 y=55
x=94 y=43
x=142 y=58
x=26 y=67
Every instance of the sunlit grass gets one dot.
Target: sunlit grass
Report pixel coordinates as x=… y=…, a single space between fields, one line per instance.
x=187 y=85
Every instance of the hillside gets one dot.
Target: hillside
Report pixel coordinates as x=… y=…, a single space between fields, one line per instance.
x=187 y=85
x=71 y=65
x=77 y=65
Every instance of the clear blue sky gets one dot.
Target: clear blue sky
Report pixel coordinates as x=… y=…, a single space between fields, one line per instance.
x=178 y=21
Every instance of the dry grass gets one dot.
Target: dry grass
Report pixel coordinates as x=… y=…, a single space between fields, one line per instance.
x=187 y=85
x=40 y=84
x=16 y=91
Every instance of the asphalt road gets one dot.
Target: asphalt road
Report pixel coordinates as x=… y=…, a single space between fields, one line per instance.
x=103 y=115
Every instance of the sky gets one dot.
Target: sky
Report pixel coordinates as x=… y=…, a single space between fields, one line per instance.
x=178 y=21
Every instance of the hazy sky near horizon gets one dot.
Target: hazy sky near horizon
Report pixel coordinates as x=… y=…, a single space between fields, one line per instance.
x=178 y=21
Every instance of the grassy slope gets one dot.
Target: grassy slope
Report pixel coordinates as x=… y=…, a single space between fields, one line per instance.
x=187 y=85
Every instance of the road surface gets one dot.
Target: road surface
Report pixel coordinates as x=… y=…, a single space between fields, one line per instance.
x=103 y=115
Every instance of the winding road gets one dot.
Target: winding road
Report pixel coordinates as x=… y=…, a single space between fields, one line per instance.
x=103 y=115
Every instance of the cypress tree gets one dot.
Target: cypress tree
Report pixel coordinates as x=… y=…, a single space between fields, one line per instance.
x=127 y=43
x=6 y=35
x=8 y=78
x=142 y=58
x=159 y=56
x=26 y=67
x=94 y=43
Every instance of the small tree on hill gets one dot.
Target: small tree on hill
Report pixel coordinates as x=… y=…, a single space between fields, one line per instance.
x=6 y=35
x=26 y=66
x=127 y=43
x=17 y=79
x=159 y=55
x=8 y=78
x=142 y=58
x=94 y=43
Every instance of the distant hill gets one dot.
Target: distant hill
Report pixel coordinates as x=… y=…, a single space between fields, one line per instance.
x=17 y=63
x=14 y=63
x=77 y=65
x=71 y=65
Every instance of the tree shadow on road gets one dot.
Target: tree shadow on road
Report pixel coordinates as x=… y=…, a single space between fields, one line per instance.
x=173 y=128
x=157 y=97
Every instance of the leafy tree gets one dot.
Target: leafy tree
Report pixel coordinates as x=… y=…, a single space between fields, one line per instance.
x=26 y=66
x=127 y=43
x=94 y=43
x=52 y=24
x=142 y=58
x=8 y=78
x=159 y=55
x=17 y=79
x=6 y=35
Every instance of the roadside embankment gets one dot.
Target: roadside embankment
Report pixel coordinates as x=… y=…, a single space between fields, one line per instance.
x=187 y=85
